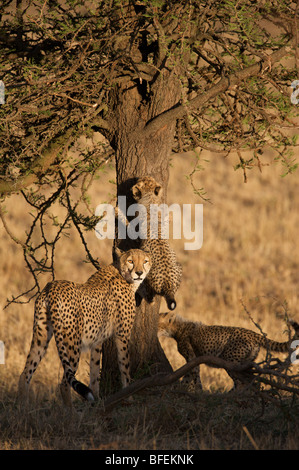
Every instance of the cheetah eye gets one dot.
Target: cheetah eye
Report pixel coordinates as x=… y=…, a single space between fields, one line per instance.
x=130 y=261
x=146 y=261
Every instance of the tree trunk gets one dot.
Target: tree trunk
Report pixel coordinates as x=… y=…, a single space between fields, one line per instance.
x=136 y=156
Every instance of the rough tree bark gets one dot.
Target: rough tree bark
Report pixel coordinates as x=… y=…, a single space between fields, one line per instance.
x=138 y=155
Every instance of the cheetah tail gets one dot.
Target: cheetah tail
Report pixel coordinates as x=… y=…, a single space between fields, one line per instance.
x=171 y=303
x=81 y=389
x=278 y=346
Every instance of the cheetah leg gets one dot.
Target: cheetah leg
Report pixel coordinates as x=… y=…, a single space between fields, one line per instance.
x=62 y=347
x=145 y=291
x=95 y=365
x=69 y=352
x=122 y=345
x=42 y=334
x=79 y=387
x=65 y=392
x=69 y=371
x=191 y=381
x=242 y=380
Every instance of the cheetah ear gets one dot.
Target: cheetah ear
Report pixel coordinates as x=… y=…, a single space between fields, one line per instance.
x=163 y=314
x=158 y=189
x=136 y=191
x=118 y=252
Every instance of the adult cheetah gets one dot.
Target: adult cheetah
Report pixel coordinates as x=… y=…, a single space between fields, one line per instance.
x=165 y=275
x=84 y=316
x=233 y=344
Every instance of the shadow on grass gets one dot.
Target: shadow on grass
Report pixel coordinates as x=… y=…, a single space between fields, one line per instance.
x=168 y=419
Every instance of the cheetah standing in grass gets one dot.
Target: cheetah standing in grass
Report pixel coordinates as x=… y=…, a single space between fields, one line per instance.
x=233 y=344
x=85 y=315
x=166 y=273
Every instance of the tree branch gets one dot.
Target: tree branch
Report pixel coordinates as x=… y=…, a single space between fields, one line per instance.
x=167 y=379
x=9 y=233
x=284 y=382
x=225 y=83
x=40 y=165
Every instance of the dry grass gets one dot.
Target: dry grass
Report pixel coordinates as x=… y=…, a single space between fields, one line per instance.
x=249 y=253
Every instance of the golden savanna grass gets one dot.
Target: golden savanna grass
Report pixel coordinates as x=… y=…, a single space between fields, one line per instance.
x=249 y=258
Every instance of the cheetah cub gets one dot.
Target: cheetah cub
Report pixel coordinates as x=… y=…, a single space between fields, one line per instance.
x=84 y=316
x=233 y=344
x=165 y=275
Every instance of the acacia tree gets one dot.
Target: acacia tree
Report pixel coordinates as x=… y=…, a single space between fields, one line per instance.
x=153 y=77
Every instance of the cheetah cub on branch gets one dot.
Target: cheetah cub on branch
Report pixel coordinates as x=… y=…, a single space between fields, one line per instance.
x=233 y=344
x=84 y=316
x=165 y=275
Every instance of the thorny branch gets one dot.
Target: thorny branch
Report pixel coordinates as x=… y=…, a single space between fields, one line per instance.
x=40 y=256
x=60 y=74
x=63 y=65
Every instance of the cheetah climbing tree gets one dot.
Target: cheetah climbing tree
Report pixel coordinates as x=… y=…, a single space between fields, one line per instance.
x=154 y=77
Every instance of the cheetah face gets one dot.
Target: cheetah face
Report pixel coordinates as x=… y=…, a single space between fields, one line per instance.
x=147 y=191
x=165 y=324
x=134 y=265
